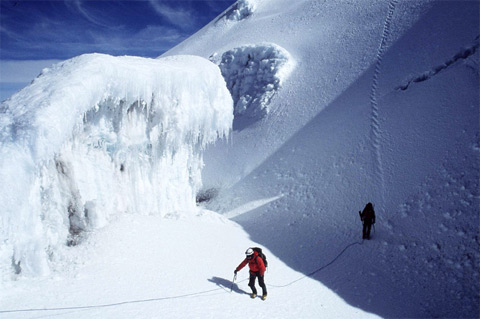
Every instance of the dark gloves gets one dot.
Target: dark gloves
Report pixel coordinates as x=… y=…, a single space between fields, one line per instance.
x=235 y=271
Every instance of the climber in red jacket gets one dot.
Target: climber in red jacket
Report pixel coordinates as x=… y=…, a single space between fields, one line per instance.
x=257 y=269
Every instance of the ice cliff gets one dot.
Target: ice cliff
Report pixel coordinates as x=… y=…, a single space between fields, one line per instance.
x=97 y=135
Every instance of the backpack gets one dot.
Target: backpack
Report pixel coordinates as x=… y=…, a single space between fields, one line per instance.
x=368 y=212
x=261 y=255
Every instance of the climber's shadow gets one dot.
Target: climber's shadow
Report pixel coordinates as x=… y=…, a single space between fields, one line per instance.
x=226 y=284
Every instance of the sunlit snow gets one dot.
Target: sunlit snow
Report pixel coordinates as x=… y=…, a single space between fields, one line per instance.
x=98 y=135
x=101 y=157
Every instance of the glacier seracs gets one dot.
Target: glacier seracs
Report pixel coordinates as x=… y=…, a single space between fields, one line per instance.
x=98 y=135
x=254 y=73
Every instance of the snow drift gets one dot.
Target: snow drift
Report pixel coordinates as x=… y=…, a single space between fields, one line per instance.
x=97 y=135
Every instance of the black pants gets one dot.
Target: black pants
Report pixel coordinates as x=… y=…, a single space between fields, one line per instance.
x=366 y=229
x=261 y=282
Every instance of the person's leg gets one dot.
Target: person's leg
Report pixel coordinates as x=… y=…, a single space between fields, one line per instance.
x=261 y=282
x=251 y=283
x=369 y=227
x=364 y=232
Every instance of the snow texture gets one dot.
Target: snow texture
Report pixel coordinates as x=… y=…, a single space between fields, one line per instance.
x=340 y=134
x=133 y=269
x=254 y=73
x=98 y=135
x=240 y=10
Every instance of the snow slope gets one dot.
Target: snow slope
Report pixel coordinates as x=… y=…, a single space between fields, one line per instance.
x=152 y=267
x=100 y=166
x=382 y=106
x=364 y=101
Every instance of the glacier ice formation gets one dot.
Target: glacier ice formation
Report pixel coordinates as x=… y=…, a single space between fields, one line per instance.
x=97 y=135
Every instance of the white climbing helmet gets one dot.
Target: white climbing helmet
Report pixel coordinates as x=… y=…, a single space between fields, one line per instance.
x=249 y=252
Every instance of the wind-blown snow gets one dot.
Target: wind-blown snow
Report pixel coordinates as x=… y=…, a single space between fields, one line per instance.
x=98 y=135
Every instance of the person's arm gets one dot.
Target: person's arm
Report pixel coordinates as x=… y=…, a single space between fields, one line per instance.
x=242 y=264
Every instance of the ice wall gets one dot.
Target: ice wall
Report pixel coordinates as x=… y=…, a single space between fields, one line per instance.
x=99 y=135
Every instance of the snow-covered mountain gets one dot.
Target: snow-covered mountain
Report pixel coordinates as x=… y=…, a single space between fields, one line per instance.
x=382 y=105
x=335 y=104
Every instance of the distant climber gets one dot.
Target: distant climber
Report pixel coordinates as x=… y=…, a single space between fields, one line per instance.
x=257 y=269
x=368 y=219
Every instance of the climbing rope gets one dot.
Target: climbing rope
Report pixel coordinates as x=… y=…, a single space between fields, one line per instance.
x=117 y=303
x=112 y=304
x=179 y=296
x=319 y=269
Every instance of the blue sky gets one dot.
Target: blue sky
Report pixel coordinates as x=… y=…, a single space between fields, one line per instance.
x=35 y=34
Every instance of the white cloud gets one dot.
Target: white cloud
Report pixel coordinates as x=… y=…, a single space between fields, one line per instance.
x=180 y=17
x=156 y=33
x=77 y=6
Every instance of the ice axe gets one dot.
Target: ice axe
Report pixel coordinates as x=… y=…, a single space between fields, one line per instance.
x=233 y=281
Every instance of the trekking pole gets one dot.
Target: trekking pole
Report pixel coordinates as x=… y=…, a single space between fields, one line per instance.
x=233 y=282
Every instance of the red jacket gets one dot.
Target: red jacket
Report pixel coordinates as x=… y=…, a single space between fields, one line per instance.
x=255 y=264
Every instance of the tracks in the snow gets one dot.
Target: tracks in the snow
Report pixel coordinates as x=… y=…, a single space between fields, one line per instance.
x=375 y=130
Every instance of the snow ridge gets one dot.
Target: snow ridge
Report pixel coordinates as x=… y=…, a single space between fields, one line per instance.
x=375 y=122
x=460 y=56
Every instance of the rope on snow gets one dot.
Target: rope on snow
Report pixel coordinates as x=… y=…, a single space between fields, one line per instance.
x=179 y=296
x=319 y=269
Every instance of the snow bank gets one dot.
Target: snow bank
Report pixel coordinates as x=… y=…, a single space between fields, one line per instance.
x=97 y=135
x=254 y=73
